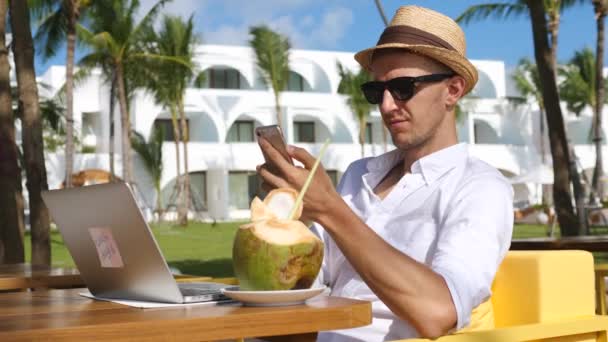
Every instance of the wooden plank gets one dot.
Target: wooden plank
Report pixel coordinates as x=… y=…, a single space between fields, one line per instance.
x=594 y=243
x=70 y=317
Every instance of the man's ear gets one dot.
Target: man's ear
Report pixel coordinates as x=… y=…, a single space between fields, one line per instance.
x=455 y=90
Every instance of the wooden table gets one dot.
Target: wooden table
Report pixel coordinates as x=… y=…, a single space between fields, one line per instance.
x=27 y=276
x=593 y=243
x=65 y=315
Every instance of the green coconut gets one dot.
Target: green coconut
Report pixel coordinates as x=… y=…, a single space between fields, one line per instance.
x=273 y=252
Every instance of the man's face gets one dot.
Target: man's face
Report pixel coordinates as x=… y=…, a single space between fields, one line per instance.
x=419 y=120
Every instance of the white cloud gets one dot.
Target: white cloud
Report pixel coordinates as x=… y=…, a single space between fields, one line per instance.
x=228 y=21
x=182 y=8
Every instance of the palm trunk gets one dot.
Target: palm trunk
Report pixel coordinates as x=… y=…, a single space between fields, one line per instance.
x=127 y=167
x=69 y=93
x=112 y=131
x=553 y=32
x=11 y=223
x=598 y=171
x=183 y=216
x=575 y=176
x=568 y=221
x=542 y=137
x=381 y=11
x=33 y=148
x=277 y=106
x=159 y=203
x=178 y=179
x=362 y=137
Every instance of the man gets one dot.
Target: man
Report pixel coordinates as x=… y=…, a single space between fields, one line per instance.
x=419 y=231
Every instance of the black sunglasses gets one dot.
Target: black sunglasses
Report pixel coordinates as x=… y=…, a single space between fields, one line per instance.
x=402 y=88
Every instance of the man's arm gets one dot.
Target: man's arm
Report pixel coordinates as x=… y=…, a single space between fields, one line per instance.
x=411 y=290
x=417 y=293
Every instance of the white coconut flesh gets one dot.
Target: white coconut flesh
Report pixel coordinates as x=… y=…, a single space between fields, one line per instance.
x=281 y=204
x=282 y=232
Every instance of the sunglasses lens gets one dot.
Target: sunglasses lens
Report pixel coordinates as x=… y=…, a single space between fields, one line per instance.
x=373 y=92
x=401 y=88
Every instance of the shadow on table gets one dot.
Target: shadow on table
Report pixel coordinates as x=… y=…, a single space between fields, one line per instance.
x=217 y=268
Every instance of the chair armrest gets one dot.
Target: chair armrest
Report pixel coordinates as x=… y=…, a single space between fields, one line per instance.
x=571 y=327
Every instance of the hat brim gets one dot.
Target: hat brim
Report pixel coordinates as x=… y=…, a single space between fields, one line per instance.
x=451 y=59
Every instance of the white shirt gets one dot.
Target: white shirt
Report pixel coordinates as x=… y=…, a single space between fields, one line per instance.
x=453 y=213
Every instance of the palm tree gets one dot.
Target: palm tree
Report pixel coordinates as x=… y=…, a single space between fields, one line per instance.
x=58 y=20
x=175 y=39
x=117 y=45
x=601 y=10
x=578 y=90
x=33 y=148
x=272 y=57
x=350 y=85
x=569 y=223
x=11 y=197
x=151 y=153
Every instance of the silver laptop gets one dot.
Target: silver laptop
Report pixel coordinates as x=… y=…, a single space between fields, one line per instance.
x=114 y=249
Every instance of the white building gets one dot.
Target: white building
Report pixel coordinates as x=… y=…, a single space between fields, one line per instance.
x=222 y=117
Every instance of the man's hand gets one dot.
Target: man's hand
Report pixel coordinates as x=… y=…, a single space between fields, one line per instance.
x=321 y=190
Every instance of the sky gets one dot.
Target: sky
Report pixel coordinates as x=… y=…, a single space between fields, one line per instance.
x=353 y=25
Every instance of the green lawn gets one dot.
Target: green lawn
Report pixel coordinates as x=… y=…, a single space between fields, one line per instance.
x=199 y=249
x=206 y=249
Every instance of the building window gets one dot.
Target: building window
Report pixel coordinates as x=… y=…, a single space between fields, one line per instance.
x=198 y=190
x=223 y=78
x=167 y=126
x=243 y=186
x=241 y=131
x=369 y=138
x=304 y=132
x=296 y=82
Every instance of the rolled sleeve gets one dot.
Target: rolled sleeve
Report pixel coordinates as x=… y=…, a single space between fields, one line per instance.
x=473 y=240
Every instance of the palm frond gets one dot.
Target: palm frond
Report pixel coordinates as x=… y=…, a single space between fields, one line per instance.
x=272 y=56
x=498 y=11
x=578 y=87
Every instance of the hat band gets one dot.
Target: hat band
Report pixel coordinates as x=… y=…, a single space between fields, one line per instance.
x=410 y=35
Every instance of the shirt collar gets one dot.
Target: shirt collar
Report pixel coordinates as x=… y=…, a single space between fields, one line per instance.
x=431 y=166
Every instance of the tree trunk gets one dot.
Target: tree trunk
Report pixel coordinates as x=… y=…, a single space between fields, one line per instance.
x=277 y=105
x=33 y=148
x=127 y=167
x=568 y=221
x=69 y=94
x=111 y=142
x=553 y=33
x=11 y=223
x=598 y=171
x=381 y=11
x=178 y=179
x=183 y=216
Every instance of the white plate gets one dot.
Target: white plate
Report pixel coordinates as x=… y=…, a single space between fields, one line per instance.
x=272 y=298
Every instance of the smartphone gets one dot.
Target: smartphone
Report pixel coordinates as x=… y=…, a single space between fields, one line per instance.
x=274 y=136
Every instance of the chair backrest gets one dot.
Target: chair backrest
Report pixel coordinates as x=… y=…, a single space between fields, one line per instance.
x=543 y=286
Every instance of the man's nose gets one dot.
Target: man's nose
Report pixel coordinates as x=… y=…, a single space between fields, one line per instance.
x=388 y=103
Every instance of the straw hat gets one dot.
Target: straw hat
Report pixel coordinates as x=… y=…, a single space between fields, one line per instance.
x=429 y=33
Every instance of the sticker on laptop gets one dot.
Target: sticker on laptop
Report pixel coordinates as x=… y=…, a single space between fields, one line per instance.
x=107 y=248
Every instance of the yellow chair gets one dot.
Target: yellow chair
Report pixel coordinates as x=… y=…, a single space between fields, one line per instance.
x=541 y=295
